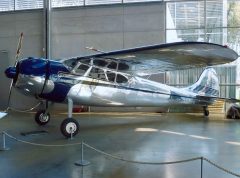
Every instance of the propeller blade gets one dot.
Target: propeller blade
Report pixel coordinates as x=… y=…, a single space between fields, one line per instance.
x=19 y=46
x=9 y=95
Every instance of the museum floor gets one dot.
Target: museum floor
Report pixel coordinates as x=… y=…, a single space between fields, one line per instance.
x=143 y=137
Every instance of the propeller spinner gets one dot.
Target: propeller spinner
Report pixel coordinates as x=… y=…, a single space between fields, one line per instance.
x=11 y=72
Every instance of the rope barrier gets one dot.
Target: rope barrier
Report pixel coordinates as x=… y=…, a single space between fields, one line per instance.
x=25 y=110
x=120 y=158
x=221 y=168
x=39 y=144
x=139 y=162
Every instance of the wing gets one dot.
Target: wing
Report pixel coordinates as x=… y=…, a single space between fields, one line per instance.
x=167 y=57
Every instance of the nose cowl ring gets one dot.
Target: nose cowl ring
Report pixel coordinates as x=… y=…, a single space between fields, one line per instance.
x=11 y=72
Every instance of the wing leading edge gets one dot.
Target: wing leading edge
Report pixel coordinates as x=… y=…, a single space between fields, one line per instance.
x=170 y=56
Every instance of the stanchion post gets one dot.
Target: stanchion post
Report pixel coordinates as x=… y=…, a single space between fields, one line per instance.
x=4 y=148
x=71 y=133
x=82 y=162
x=201 y=167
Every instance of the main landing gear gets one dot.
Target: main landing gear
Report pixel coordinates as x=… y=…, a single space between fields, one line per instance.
x=205 y=111
x=69 y=127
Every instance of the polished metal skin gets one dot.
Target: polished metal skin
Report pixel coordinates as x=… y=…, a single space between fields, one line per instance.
x=140 y=92
x=110 y=87
x=31 y=85
x=113 y=78
x=132 y=91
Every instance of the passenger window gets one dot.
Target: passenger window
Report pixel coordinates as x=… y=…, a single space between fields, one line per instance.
x=121 y=79
x=112 y=65
x=97 y=73
x=111 y=76
x=122 y=66
x=82 y=69
x=99 y=62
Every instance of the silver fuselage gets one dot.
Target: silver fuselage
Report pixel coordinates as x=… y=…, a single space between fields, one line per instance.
x=105 y=90
x=137 y=92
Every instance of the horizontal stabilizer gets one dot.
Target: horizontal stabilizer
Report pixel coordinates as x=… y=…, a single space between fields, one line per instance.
x=230 y=100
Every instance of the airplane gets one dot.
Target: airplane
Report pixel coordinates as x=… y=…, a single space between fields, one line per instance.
x=116 y=78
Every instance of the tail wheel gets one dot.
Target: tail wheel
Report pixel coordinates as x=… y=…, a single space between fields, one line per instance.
x=42 y=118
x=69 y=127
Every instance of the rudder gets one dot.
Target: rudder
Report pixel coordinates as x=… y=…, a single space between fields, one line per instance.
x=207 y=84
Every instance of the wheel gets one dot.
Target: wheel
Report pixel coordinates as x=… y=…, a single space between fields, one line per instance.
x=42 y=118
x=229 y=116
x=69 y=127
x=206 y=112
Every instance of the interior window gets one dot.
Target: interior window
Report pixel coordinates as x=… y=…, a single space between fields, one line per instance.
x=121 y=79
x=111 y=76
x=112 y=65
x=99 y=62
x=122 y=66
x=70 y=62
x=97 y=73
x=82 y=69
x=86 y=60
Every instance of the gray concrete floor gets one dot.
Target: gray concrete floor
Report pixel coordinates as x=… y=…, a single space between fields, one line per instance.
x=149 y=137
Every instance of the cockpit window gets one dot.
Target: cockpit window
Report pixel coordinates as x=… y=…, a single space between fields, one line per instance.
x=99 y=62
x=121 y=79
x=70 y=63
x=85 y=60
x=82 y=69
x=111 y=76
x=97 y=73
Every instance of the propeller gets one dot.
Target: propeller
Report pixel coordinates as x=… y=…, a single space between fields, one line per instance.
x=12 y=71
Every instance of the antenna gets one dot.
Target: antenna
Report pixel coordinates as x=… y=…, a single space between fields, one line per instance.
x=94 y=49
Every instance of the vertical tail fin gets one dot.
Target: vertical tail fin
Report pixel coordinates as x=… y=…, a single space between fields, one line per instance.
x=207 y=84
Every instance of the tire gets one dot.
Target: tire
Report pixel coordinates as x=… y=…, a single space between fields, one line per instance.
x=67 y=125
x=42 y=118
x=229 y=116
x=206 y=113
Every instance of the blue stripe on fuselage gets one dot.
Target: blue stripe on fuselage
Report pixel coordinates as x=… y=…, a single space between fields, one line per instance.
x=59 y=92
x=61 y=89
